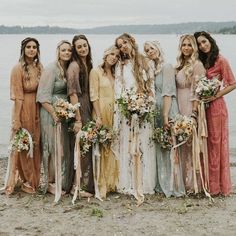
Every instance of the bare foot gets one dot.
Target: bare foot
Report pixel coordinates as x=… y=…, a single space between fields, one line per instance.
x=85 y=194
x=51 y=188
x=25 y=187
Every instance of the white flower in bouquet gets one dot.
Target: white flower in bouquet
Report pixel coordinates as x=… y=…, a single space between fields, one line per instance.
x=22 y=141
x=182 y=127
x=140 y=104
x=207 y=87
x=65 y=110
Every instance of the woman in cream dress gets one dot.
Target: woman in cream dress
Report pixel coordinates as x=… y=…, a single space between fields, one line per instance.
x=133 y=147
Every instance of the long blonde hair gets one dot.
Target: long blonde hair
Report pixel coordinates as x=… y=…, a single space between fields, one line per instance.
x=62 y=74
x=139 y=63
x=107 y=52
x=159 y=61
x=187 y=64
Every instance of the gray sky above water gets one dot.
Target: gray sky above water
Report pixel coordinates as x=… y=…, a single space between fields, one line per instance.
x=93 y=13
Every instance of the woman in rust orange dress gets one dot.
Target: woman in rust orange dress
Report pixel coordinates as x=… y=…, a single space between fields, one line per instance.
x=23 y=169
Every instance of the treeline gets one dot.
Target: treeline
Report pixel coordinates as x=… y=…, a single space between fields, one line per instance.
x=230 y=30
x=181 y=28
x=36 y=30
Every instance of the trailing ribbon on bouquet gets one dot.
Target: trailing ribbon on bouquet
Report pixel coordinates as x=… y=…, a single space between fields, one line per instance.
x=77 y=166
x=202 y=136
x=135 y=152
x=96 y=168
x=31 y=146
x=58 y=158
x=174 y=158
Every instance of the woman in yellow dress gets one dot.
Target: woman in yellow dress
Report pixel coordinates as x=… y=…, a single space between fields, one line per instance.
x=102 y=96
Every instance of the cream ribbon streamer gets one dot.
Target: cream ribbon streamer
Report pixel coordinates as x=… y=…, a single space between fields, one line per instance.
x=96 y=169
x=58 y=158
x=77 y=166
x=134 y=150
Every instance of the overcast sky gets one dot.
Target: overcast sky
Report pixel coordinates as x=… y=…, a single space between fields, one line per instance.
x=92 y=13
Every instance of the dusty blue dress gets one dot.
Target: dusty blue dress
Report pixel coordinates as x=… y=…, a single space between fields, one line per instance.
x=51 y=87
x=169 y=174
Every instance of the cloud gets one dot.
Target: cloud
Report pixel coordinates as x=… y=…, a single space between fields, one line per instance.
x=91 y=13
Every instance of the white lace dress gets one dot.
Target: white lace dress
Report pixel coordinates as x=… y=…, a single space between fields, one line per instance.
x=137 y=169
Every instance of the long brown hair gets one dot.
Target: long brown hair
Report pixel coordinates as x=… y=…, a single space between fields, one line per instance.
x=75 y=57
x=36 y=59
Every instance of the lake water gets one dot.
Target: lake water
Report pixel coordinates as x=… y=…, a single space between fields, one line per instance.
x=10 y=50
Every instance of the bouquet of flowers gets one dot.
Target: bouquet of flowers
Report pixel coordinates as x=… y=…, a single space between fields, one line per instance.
x=22 y=141
x=163 y=137
x=182 y=128
x=207 y=87
x=65 y=110
x=136 y=103
x=91 y=134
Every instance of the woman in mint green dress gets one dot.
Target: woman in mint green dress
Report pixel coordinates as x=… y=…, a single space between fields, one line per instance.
x=53 y=85
x=169 y=173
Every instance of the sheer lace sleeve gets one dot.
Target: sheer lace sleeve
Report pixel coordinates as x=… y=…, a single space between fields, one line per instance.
x=169 y=86
x=198 y=72
x=94 y=85
x=118 y=81
x=46 y=84
x=226 y=72
x=73 y=85
x=16 y=84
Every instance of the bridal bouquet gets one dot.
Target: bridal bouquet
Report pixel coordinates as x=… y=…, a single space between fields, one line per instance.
x=65 y=110
x=182 y=128
x=22 y=141
x=141 y=104
x=207 y=87
x=163 y=137
x=91 y=134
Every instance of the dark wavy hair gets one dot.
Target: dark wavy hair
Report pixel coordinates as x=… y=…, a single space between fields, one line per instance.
x=210 y=58
x=22 y=58
x=89 y=63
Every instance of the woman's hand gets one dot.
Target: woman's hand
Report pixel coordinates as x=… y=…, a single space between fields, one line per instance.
x=98 y=121
x=55 y=118
x=16 y=125
x=77 y=126
x=166 y=123
x=210 y=99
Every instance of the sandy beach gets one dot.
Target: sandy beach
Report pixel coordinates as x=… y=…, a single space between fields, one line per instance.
x=25 y=214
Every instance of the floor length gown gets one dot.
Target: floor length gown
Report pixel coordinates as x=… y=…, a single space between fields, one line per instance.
x=20 y=166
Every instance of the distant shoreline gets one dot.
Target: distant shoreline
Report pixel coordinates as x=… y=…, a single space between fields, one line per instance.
x=179 y=28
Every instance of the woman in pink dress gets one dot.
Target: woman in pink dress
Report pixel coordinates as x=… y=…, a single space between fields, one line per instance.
x=188 y=70
x=217 y=114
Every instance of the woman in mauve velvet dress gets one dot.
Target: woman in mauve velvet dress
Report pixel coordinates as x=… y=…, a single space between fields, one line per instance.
x=78 y=92
x=217 y=115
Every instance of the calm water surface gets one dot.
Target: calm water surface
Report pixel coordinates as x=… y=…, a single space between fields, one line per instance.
x=10 y=50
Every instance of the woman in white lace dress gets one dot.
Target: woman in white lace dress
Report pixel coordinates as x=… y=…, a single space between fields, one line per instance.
x=133 y=147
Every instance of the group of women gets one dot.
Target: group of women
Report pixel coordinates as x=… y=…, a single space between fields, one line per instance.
x=133 y=163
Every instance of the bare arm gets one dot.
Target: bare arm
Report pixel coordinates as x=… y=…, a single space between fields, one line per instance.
x=166 y=110
x=221 y=93
x=17 y=111
x=96 y=108
x=49 y=108
x=78 y=124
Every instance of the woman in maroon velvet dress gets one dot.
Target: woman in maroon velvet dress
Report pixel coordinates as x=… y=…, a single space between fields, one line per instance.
x=217 y=115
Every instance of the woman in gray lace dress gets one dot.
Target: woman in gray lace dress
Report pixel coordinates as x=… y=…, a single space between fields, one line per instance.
x=53 y=85
x=169 y=174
